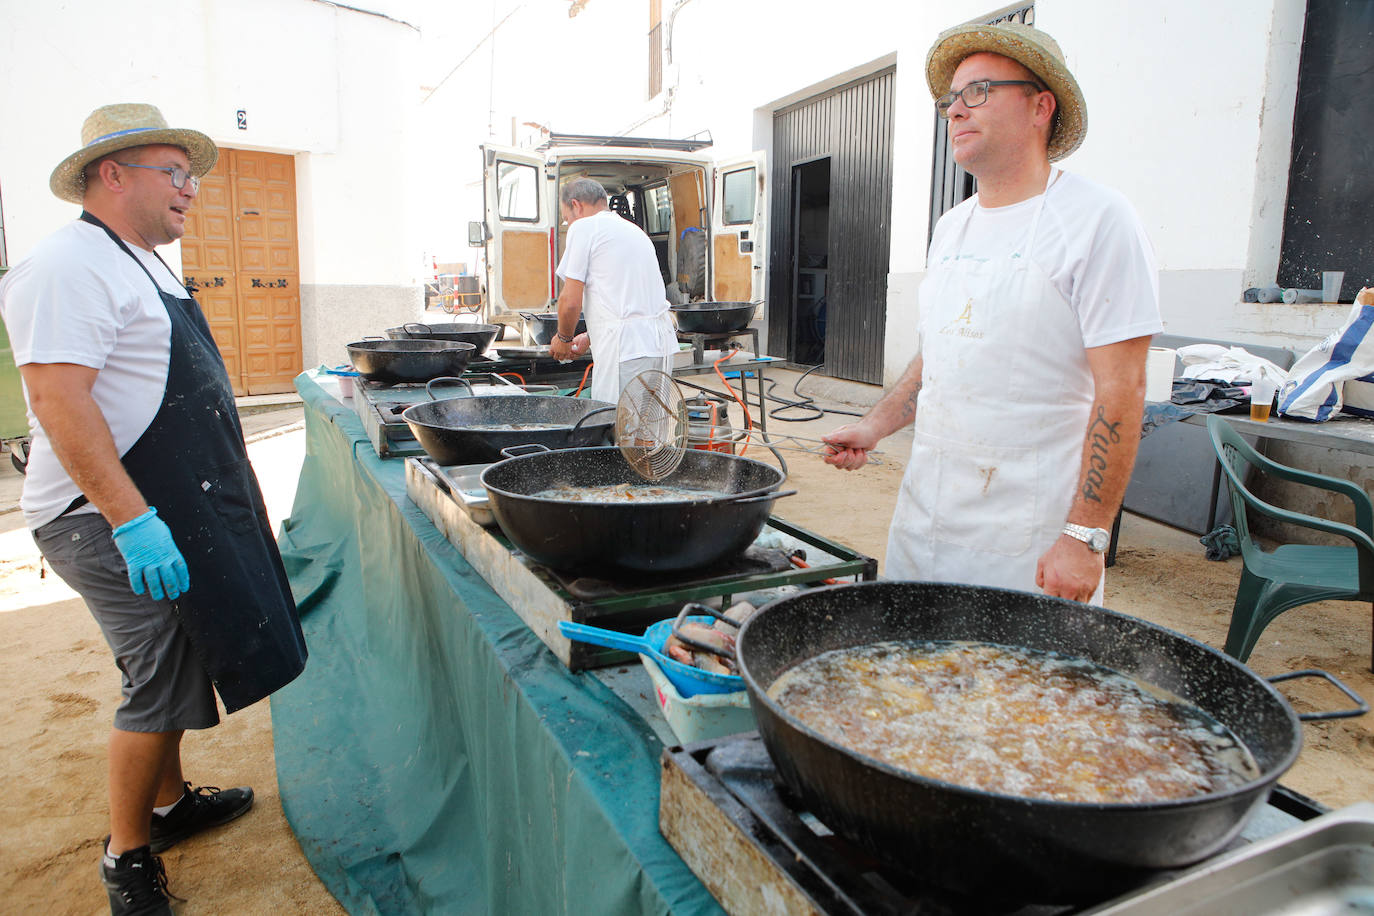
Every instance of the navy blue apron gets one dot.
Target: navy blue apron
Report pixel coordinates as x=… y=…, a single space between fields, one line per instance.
x=191 y=463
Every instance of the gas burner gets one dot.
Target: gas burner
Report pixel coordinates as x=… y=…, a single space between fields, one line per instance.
x=724 y=809
x=703 y=342
x=754 y=561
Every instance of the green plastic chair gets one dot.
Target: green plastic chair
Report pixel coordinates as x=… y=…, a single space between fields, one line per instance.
x=1291 y=575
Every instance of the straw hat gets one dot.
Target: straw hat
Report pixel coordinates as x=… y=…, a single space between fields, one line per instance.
x=1030 y=47
x=117 y=127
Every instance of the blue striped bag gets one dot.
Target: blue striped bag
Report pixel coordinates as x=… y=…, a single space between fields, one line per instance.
x=1316 y=383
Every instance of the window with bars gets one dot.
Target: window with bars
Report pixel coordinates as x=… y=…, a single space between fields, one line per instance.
x=950 y=185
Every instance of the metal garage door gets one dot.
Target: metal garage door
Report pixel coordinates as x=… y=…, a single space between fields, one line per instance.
x=832 y=286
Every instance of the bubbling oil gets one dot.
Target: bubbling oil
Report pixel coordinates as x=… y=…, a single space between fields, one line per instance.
x=1014 y=721
x=627 y=493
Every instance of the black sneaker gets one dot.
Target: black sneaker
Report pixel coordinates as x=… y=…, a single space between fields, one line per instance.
x=136 y=884
x=199 y=809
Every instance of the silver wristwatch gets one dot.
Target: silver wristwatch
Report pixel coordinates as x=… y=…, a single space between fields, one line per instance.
x=1097 y=539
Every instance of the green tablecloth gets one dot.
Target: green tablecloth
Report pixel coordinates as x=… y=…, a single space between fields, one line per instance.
x=434 y=756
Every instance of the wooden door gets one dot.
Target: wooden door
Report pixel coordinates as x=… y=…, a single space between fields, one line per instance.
x=239 y=252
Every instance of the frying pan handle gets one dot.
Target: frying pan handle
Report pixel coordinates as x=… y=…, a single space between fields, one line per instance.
x=425 y=330
x=696 y=607
x=529 y=448
x=599 y=636
x=1361 y=707
x=583 y=419
x=761 y=497
x=447 y=378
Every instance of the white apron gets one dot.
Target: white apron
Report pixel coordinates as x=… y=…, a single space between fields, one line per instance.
x=607 y=331
x=1004 y=403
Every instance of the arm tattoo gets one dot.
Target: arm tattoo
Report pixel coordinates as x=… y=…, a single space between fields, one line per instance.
x=1101 y=435
x=909 y=407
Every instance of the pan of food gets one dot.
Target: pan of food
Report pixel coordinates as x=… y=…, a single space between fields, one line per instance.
x=713 y=317
x=395 y=361
x=473 y=430
x=964 y=733
x=586 y=510
x=479 y=335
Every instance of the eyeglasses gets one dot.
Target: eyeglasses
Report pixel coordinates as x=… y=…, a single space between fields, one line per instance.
x=179 y=175
x=976 y=93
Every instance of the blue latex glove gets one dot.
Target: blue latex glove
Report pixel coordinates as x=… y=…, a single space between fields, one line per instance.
x=152 y=557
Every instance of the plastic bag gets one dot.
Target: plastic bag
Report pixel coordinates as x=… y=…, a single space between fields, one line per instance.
x=1316 y=383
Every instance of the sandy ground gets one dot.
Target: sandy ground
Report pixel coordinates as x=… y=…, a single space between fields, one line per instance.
x=62 y=689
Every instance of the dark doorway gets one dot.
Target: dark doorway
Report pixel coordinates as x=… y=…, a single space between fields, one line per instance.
x=811 y=257
x=829 y=228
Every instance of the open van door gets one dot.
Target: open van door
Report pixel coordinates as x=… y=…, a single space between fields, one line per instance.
x=739 y=226
x=519 y=225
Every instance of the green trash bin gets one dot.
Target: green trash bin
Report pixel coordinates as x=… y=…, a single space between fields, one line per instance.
x=14 y=422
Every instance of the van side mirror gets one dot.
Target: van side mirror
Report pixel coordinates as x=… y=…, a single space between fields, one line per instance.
x=477 y=234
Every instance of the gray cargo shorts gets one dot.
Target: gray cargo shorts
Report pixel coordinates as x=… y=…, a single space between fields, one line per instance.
x=165 y=686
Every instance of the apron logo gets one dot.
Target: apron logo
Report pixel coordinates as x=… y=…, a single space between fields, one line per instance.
x=962 y=326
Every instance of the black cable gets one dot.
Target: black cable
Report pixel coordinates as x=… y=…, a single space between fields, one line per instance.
x=806 y=403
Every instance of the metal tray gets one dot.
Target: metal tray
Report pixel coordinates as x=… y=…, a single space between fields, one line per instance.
x=465 y=482
x=1324 y=866
x=531 y=352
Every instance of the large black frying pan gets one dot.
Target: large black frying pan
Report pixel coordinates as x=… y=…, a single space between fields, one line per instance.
x=713 y=317
x=974 y=840
x=395 y=361
x=609 y=538
x=474 y=430
x=546 y=325
x=479 y=335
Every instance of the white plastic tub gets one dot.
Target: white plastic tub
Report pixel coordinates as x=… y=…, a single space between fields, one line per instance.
x=704 y=716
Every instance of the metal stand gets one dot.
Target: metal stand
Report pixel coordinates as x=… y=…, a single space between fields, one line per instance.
x=703 y=342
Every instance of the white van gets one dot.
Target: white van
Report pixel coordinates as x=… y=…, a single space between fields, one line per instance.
x=705 y=218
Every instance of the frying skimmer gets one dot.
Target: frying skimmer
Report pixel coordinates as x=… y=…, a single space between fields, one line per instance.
x=651 y=424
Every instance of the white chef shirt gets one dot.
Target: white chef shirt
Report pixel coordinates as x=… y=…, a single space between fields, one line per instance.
x=1090 y=242
x=616 y=261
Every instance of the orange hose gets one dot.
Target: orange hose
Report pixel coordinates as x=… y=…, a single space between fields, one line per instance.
x=748 y=422
x=583 y=384
x=802 y=564
x=515 y=375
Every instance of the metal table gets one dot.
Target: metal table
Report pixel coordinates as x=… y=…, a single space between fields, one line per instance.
x=1343 y=433
x=755 y=365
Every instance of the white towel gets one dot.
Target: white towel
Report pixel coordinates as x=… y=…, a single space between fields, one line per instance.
x=1227 y=364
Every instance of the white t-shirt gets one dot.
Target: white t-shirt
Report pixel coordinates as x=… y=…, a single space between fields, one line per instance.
x=616 y=261
x=1089 y=241
x=79 y=299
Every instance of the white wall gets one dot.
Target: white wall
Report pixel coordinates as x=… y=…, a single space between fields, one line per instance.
x=332 y=86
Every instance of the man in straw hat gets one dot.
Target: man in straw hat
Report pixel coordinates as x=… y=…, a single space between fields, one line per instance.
x=138 y=490
x=1036 y=314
